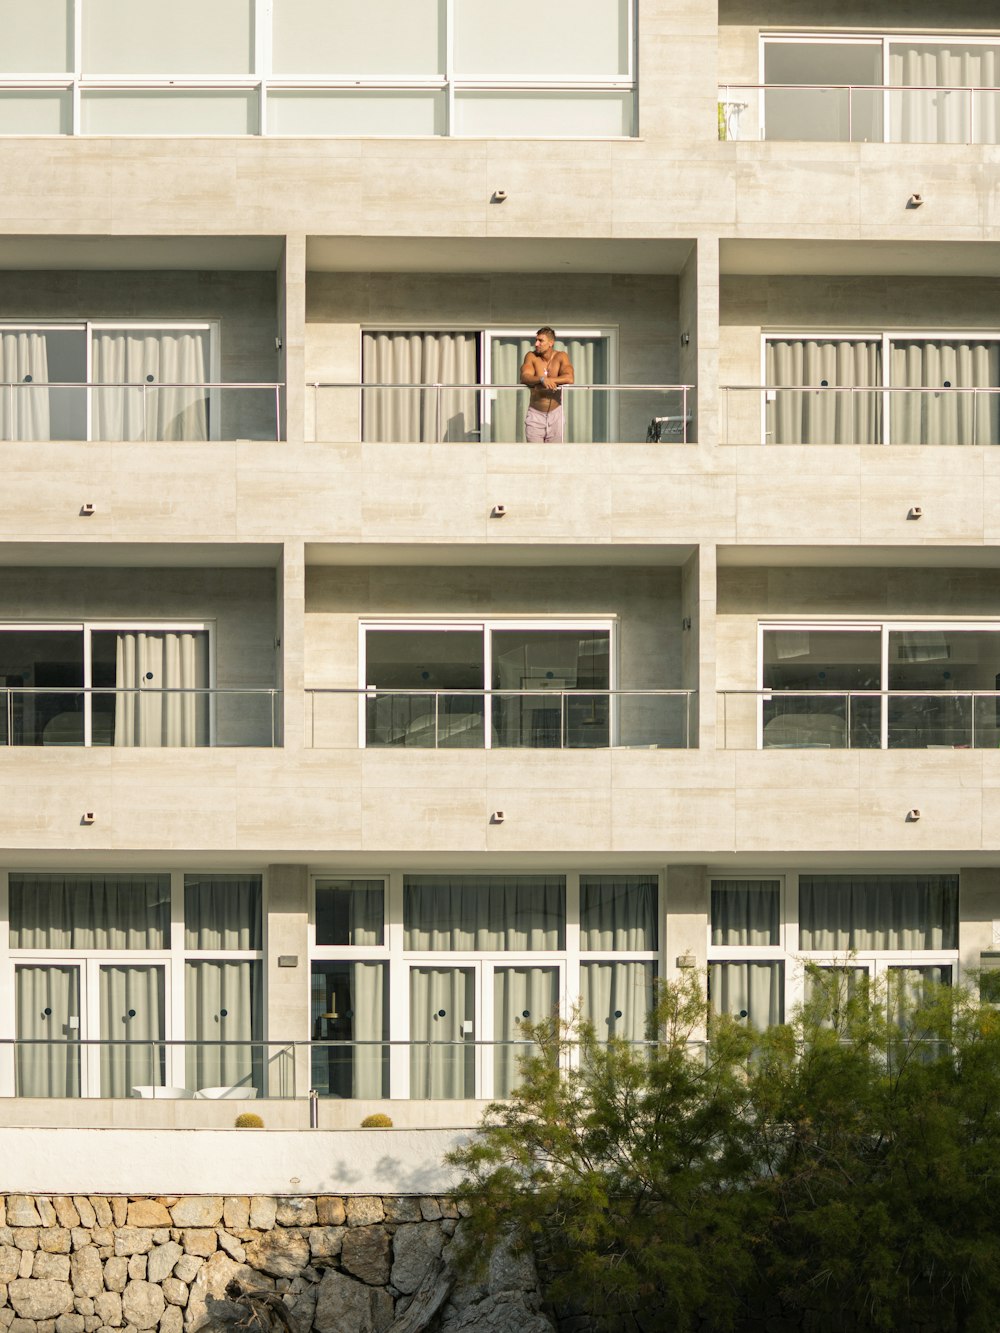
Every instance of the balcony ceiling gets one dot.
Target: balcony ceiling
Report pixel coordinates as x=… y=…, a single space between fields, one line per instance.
x=815 y=258
x=494 y=555
x=145 y=253
x=835 y=556
x=434 y=254
x=106 y=554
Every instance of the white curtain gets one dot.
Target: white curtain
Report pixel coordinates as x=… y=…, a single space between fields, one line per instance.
x=944 y=417
x=520 y=995
x=150 y=359
x=369 y=1026
x=484 y=912
x=745 y=912
x=222 y=912
x=586 y=414
x=752 y=992
x=132 y=1010
x=838 y=913
x=48 y=1052
x=24 y=413
x=89 y=911
x=162 y=679
x=939 y=117
x=617 y=998
x=617 y=912
x=222 y=1003
x=805 y=374
x=348 y=1008
x=411 y=414
x=442 y=1060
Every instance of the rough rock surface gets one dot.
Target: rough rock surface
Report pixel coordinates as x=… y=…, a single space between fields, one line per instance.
x=346 y=1306
x=365 y=1254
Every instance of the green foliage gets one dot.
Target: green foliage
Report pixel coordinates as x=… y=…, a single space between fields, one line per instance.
x=248 y=1120
x=377 y=1121
x=840 y=1171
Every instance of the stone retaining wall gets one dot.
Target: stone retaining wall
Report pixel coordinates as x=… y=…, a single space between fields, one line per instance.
x=341 y=1264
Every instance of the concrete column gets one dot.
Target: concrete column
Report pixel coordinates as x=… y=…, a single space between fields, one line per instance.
x=699 y=320
x=292 y=310
x=291 y=621
x=978 y=909
x=288 y=985
x=698 y=604
x=687 y=917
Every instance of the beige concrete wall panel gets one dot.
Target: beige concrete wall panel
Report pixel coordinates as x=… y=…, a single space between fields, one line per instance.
x=674 y=508
x=670 y=769
x=196 y=178
x=311 y=490
x=820 y=817
x=417 y=770
x=298 y=185
x=46 y=794
x=46 y=484
x=819 y=488
x=678 y=460
x=174 y=799
x=287 y=933
x=947 y=484
x=952 y=770
x=541 y=504
x=549 y=770
x=659 y=195
x=685 y=818
x=54 y=185
x=950 y=820
x=173 y=490
x=574 y=178
x=991 y=495
x=290 y=814
x=991 y=767
x=400 y=507
x=678 y=85
x=439 y=819
x=779 y=193
x=802 y=770
x=563 y=819
x=953 y=188
x=406 y=187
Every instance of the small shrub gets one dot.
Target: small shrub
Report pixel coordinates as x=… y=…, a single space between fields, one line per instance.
x=249 y=1120
x=377 y=1121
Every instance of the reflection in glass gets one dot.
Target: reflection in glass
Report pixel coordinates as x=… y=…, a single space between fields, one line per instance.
x=350 y=1005
x=810 y=673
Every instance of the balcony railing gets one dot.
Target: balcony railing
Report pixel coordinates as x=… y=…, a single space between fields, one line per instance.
x=859 y=113
x=133 y=717
x=462 y=413
x=501 y=719
x=31 y=410
x=860 y=719
x=824 y=414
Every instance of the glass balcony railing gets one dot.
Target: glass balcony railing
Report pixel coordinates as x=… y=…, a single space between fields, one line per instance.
x=825 y=414
x=859 y=113
x=501 y=719
x=456 y=413
x=859 y=720
x=34 y=411
x=154 y=718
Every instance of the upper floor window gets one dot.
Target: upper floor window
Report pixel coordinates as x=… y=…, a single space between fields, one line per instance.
x=871 y=89
x=313 y=67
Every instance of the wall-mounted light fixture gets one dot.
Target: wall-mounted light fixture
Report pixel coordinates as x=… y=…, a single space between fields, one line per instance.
x=915 y=201
x=497 y=817
x=87 y=509
x=915 y=511
x=87 y=817
x=498 y=511
x=685 y=339
x=498 y=196
x=912 y=815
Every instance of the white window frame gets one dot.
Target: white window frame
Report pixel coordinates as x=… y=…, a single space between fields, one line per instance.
x=261 y=80
x=487 y=625
x=173 y=959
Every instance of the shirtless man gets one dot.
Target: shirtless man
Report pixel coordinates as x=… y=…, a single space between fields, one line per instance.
x=544 y=371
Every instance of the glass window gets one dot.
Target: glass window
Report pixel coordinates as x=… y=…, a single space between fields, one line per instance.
x=618 y=913
x=484 y=912
x=169 y=111
x=821 y=104
x=753 y=991
x=89 y=911
x=617 y=996
x=502 y=41
x=349 y=911
x=36 y=111
x=391 y=38
x=746 y=912
x=519 y=113
x=38 y=38
x=222 y=912
x=350 y=1021
x=839 y=913
x=820 y=668
x=357 y=111
x=223 y=1007
x=136 y=37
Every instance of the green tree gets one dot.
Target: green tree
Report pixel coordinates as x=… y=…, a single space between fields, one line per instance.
x=838 y=1172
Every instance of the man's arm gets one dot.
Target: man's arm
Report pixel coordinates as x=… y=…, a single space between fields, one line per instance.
x=565 y=375
x=530 y=374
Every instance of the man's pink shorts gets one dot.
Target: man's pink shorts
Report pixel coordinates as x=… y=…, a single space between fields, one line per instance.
x=543 y=427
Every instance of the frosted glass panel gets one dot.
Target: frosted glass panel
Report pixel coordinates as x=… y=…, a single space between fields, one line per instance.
x=331 y=37
x=370 y=112
x=142 y=37
x=530 y=114
x=36 y=111
x=37 y=37
x=155 y=111
x=519 y=40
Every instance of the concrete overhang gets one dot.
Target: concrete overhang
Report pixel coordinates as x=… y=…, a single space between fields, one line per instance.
x=798 y=556
x=106 y=554
x=834 y=258
x=526 y=555
x=141 y=253
x=546 y=253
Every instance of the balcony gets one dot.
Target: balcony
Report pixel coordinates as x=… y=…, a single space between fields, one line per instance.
x=461 y=413
x=545 y=719
x=859 y=113
x=859 y=720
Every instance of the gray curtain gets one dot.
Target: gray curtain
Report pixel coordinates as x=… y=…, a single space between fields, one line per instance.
x=752 y=992
x=484 y=912
x=936 y=117
x=350 y=912
x=617 y=997
x=520 y=995
x=48 y=1054
x=222 y=912
x=874 y=912
x=162 y=679
x=586 y=414
x=805 y=373
x=938 y=415
x=222 y=1003
x=24 y=413
x=617 y=913
x=89 y=911
x=745 y=912
x=132 y=1010
x=409 y=414
x=442 y=1059
x=147 y=360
